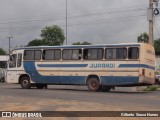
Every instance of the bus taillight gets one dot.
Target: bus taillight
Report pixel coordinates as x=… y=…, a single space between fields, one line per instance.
x=143 y=72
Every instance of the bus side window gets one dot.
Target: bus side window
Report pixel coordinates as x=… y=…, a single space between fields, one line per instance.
x=52 y=54
x=121 y=53
x=93 y=54
x=19 y=60
x=80 y=54
x=57 y=54
x=76 y=54
x=37 y=54
x=85 y=54
x=12 y=62
x=116 y=53
x=44 y=55
x=28 y=55
x=133 y=53
x=72 y=54
x=32 y=54
x=111 y=53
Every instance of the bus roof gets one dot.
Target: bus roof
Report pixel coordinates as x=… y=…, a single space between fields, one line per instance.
x=83 y=46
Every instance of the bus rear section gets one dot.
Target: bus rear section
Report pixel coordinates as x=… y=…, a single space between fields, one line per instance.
x=147 y=65
x=136 y=70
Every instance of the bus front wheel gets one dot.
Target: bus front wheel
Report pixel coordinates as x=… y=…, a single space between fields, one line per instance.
x=25 y=83
x=93 y=84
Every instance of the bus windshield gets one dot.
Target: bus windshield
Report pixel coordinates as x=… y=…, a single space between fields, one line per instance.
x=3 y=64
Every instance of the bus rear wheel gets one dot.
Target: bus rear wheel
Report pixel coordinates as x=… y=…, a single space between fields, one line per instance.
x=25 y=83
x=93 y=84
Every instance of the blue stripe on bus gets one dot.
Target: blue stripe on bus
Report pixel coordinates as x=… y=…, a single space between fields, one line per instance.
x=30 y=68
x=136 y=66
x=85 y=65
x=119 y=80
x=62 y=65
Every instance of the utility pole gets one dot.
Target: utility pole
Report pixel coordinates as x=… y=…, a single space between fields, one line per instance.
x=151 y=12
x=66 y=20
x=9 y=38
x=150 y=18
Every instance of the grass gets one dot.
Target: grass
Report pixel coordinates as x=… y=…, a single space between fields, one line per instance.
x=152 y=88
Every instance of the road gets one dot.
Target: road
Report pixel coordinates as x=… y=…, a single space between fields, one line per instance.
x=75 y=98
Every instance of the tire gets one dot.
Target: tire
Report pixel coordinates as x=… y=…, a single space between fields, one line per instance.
x=25 y=83
x=157 y=82
x=105 y=88
x=93 y=84
x=41 y=86
x=3 y=79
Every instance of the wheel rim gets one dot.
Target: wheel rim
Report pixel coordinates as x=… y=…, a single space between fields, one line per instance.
x=93 y=85
x=25 y=82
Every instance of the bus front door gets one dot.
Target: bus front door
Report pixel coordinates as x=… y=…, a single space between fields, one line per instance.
x=12 y=69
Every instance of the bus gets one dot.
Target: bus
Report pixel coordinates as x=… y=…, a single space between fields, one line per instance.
x=99 y=67
x=3 y=67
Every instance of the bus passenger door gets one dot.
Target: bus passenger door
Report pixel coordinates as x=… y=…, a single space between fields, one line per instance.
x=12 y=69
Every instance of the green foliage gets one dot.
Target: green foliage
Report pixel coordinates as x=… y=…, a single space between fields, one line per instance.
x=35 y=42
x=2 y=52
x=52 y=35
x=151 y=88
x=144 y=37
x=84 y=43
x=157 y=45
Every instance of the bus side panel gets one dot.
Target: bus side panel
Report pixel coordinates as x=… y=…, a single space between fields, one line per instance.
x=51 y=77
x=119 y=80
x=124 y=73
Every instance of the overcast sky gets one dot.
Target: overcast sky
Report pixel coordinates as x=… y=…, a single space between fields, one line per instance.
x=95 y=21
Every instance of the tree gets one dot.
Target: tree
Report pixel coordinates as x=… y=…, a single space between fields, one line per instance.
x=35 y=42
x=84 y=43
x=143 y=38
x=2 y=52
x=157 y=45
x=52 y=35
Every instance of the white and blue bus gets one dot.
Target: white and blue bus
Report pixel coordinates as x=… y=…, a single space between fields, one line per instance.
x=100 y=67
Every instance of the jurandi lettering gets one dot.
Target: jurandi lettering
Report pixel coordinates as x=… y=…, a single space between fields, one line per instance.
x=102 y=66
